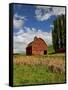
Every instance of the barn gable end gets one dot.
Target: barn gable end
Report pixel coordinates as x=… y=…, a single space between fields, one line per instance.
x=37 y=47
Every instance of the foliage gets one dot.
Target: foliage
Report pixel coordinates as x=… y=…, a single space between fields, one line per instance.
x=58 y=33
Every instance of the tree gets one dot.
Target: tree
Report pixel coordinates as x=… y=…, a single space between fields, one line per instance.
x=59 y=33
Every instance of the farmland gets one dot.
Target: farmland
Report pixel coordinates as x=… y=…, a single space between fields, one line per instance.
x=29 y=70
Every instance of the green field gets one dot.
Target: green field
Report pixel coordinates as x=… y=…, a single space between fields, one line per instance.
x=50 y=49
x=28 y=70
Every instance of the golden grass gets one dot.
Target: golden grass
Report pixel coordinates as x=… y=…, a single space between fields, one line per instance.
x=54 y=63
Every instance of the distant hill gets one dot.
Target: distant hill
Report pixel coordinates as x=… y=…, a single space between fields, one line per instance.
x=50 y=49
x=22 y=53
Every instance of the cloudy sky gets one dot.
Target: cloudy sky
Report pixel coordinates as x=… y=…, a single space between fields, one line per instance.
x=30 y=21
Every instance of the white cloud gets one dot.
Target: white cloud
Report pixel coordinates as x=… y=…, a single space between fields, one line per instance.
x=45 y=12
x=18 y=21
x=21 y=39
x=52 y=26
x=42 y=13
x=58 y=10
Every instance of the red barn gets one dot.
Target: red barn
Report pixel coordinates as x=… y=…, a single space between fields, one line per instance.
x=36 y=47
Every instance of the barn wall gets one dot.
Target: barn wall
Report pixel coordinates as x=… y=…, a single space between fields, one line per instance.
x=37 y=52
x=29 y=50
x=39 y=45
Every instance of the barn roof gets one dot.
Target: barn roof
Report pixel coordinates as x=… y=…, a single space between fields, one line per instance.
x=31 y=43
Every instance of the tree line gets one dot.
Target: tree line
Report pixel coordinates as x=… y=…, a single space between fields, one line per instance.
x=59 y=33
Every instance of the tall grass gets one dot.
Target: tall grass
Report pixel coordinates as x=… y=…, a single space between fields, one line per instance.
x=29 y=70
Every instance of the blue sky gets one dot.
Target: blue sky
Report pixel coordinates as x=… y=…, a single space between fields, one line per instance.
x=33 y=20
x=29 y=13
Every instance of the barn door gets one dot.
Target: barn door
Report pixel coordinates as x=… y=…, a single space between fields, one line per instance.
x=45 y=51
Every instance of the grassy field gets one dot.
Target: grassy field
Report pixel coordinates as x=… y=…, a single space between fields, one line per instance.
x=28 y=70
x=50 y=49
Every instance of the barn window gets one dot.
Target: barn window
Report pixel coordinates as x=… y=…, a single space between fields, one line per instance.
x=45 y=51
